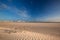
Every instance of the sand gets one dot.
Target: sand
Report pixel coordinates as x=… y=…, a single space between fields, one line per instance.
x=29 y=31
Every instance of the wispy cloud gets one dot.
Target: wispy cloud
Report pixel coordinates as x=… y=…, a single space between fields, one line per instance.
x=54 y=18
x=9 y=0
x=52 y=13
x=4 y=6
x=22 y=13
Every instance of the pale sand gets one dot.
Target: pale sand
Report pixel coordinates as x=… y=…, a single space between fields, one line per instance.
x=29 y=31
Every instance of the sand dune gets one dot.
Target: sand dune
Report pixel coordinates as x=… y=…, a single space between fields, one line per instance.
x=29 y=31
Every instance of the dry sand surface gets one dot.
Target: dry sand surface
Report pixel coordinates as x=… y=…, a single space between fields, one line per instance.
x=29 y=31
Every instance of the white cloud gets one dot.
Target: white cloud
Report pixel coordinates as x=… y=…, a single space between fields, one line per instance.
x=53 y=19
x=4 y=6
x=9 y=0
x=49 y=19
x=53 y=13
x=22 y=13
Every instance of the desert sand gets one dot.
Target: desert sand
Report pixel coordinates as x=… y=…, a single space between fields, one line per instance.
x=29 y=31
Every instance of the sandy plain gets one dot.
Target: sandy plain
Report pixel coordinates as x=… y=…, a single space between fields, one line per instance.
x=29 y=31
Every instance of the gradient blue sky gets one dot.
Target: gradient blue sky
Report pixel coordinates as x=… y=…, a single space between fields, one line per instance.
x=30 y=10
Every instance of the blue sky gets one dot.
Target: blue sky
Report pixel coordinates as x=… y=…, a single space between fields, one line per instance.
x=30 y=10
